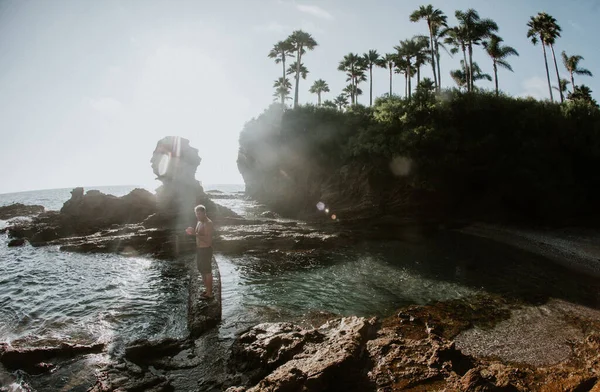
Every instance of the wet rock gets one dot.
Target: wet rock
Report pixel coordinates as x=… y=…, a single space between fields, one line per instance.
x=18 y=209
x=113 y=379
x=473 y=381
x=285 y=357
x=145 y=352
x=16 y=242
x=269 y=215
x=34 y=360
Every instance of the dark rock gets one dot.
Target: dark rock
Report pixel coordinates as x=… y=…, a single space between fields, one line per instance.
x=16 y=242
x=43 y=236
x=33 y=360
x=145 y=352
x=18 y=209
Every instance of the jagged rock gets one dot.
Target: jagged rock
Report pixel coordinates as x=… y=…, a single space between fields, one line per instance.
x=16 y=242
x=289 y=358
x=18 y=209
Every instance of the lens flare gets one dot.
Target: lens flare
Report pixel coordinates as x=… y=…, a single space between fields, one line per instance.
x=320 y=206
x=334 y=217
x=163 y=165
x=327 y=210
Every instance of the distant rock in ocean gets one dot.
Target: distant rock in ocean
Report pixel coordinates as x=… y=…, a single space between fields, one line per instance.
x=18 y=209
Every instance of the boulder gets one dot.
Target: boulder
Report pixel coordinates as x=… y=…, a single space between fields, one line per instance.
x=16 y=242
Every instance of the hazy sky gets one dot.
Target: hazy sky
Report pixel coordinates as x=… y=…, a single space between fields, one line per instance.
x=87 y=87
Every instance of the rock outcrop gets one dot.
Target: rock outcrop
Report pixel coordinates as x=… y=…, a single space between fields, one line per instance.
x=416 y=350
x=17 y=209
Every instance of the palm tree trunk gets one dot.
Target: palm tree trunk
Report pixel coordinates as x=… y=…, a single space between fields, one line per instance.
x=471 y=85
x=297 y=77
x=437 y=54
x=319 y=95
x=390 y=81
x=562 y=98
x=405 y=85
x=435 y=81
x=282 y=93
x=418 y=76
x=547 y=71
x=572 y=81
x=409 y=79
x=496 y=77
x=371 y=85
x=464 y=50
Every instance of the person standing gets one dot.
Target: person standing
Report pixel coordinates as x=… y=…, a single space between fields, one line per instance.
x=204 y=251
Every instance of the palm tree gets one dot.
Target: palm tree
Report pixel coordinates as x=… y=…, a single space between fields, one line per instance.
x=370 y=59
x=282 y=89
x=435 y=19
x=572 y=65
x=562 y=86
x=543 y=28
x=439 y=34
x=301 y=42
x=389 y=62
x=499 y=53
x=297 y=69
x=402 y=68
x=329 y=104
x=354 y=66
x=353 y=91
x=582 y=93
x=476 y=29
x=341 y=101
x=422 y=56
x=457 y=38
x=462 y=79
x=407 y=50
x=280 y=52
x=318 y=87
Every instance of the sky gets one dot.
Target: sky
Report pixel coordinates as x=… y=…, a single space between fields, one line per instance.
x=87 y=87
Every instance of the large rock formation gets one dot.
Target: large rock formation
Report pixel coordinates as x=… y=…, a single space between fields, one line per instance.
x=174 y=163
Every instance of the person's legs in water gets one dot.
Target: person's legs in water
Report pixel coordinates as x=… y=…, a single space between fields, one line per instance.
x=204 y=261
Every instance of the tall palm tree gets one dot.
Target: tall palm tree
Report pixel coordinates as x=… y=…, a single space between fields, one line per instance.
x=439 y=34
x=498 y=54
x=457 y=38
x=280 y=52
x=541 y=29
x=341 y=101
x=301 y=42
x=462 y=79
x=476 y=29
x=318 y=87
x=435 y=19
x=354 y=66
x=389 y=62
x=370 y=59
x=282 y=89
x=562 y=86
x=407 y=50
x=571 y=63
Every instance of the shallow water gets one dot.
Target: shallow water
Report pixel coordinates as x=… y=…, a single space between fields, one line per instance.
x=48 y=295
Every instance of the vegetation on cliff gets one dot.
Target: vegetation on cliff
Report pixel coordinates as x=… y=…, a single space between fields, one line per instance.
x=474 y=152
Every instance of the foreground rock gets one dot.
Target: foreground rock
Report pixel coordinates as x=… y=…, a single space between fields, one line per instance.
x=18 y=209
x=425 y=348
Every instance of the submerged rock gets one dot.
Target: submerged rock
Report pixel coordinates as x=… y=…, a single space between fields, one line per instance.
x=18 y=209
x=16 y=242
